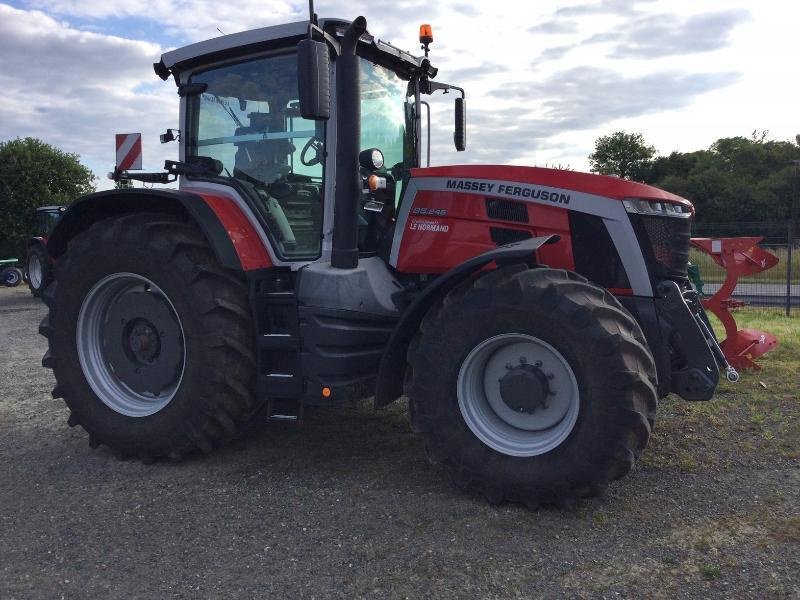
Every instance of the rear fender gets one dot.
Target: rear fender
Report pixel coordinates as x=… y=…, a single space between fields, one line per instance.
x=85 y=211
x=37 y=241
x=392 y=369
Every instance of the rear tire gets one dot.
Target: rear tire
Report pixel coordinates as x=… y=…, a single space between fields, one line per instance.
x=39 y=269
x=562 y=447
x=150 y=340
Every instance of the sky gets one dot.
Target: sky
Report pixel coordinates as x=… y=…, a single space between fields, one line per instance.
x=544 y=78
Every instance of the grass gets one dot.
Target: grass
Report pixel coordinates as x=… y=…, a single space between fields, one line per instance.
x=756 y=419
x=710 y=572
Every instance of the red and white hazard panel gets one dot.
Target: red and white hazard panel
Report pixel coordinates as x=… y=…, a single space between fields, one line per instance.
x=129 y=151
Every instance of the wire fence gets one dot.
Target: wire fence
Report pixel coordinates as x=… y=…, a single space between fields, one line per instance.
x=778 y=287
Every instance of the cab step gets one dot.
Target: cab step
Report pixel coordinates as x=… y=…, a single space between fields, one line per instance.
x=285 y=410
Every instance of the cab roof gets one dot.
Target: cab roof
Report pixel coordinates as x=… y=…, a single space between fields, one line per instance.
x=234 y=45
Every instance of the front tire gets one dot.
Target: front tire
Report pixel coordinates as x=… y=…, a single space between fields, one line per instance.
x=532 y=386
x=150 y=340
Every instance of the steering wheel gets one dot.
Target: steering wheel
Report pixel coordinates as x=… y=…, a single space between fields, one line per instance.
x=317 y=145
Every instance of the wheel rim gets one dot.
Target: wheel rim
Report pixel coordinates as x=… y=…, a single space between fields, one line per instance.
x=35 y=271
x=130 y=344
x=11 y=277
x=518 y=394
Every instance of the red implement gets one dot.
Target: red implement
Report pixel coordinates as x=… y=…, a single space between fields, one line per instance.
x=739 y=257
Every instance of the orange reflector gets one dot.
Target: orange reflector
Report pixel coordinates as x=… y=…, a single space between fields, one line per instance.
x=425 y=34
x=326 y=392
x=376 y=183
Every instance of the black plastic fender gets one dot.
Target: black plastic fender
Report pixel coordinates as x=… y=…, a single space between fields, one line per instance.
x=391 y=372
x=91 y=208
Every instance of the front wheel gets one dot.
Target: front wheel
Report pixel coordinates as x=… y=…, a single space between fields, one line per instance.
x=533 y=386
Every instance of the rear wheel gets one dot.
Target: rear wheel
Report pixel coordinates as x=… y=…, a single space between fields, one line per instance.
x=532 y=386
x=150 y=340
x=39 y=269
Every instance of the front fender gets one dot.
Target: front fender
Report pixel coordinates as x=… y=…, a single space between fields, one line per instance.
x=391 y=371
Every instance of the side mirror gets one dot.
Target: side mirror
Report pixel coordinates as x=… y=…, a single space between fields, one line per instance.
x=460 y=134
x=314 y=80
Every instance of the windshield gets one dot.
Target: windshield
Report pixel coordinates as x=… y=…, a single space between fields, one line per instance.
x=386 y=118
x=248 y=119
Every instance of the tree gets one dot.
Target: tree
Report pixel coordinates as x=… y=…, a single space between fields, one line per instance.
x=622 y=154
x=737 y=179
x=32 y=174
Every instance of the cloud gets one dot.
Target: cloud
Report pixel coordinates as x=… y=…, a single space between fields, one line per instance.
x=659 y=35
x=556 y=52
x=554 y=27
x=584 y=98
x=75 y=89
x=194 y=20
x=475 y=72
x=604 y=7
x=574 y=100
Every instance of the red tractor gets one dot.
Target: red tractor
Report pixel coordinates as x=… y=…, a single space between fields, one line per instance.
x=532 y=317
x=38 y=265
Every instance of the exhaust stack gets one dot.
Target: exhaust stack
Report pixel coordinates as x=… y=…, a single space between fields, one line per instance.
x=344 y=254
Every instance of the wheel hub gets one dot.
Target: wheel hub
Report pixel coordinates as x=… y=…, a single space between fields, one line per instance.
x=141 y=341
x=525 y=388
x=144 y=343
x=518 y=394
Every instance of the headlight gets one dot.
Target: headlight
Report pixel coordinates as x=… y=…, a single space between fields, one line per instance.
x=371 y=159
x=655 y=208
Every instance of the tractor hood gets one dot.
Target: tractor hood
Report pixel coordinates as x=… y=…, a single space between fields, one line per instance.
x=466 y=176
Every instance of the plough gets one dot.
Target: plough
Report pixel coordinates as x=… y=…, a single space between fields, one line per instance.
x=739 y=257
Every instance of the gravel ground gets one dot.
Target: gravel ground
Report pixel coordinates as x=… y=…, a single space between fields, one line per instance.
x=347 y=506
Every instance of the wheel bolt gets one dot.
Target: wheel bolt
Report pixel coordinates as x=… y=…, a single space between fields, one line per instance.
x=509 y=366
x=538 y=363
x=550 y=376
x=523 y=360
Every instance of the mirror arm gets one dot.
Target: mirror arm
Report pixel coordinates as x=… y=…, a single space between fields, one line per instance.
x=432 y=86
x=428 y=109
x=314 y=32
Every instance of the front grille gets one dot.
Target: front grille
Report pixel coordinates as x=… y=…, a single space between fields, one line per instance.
x=665 y=245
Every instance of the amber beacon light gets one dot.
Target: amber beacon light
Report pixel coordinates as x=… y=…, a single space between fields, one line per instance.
x=425 y=37
x=425 y=34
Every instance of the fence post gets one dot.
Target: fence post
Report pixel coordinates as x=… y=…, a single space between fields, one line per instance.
x=792 y=220
x=790 y=241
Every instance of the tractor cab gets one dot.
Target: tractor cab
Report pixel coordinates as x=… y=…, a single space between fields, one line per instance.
x=244 y=124
x=46 y=219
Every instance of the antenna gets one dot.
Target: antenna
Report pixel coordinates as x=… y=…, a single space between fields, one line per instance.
x=312 y=16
